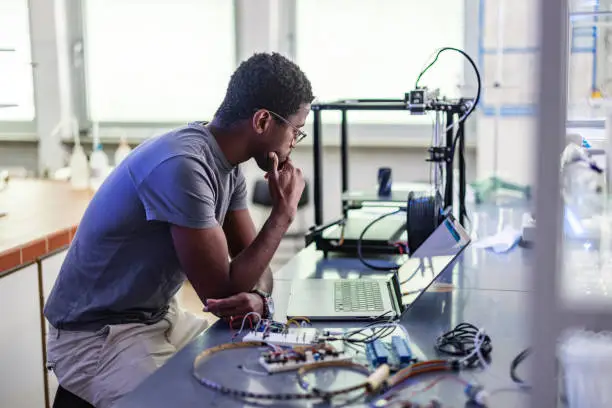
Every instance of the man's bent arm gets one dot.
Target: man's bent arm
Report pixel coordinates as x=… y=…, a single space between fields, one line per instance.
x=204 y=253
x=266 y=283
x=240 y=232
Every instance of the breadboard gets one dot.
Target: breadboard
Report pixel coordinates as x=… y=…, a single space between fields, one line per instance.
x=293 y=337
x=295 y=365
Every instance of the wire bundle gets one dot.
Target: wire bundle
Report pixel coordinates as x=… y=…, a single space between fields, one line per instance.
x=256 y=323
x=363 y=336
x=466 y=341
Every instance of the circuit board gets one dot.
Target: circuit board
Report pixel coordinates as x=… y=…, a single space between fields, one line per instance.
x=393 y=350
x=302 y=336
x=293 y=359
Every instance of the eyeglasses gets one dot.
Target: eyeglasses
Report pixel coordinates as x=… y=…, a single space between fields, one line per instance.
x=299 y=134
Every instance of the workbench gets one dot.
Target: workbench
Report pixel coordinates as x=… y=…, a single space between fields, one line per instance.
x=491 y=291
x=41 y=218
x=40 y=222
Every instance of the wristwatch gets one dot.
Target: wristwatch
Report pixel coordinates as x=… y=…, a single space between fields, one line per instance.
x=268 y=303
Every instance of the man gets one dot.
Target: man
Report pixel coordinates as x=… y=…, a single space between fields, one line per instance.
x=174 y=208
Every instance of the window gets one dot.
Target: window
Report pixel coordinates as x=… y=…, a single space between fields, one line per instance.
x=376 y=48
x=16 y=82
x=157 y=60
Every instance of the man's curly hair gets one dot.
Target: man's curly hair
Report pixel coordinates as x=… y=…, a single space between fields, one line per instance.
x=264 y=81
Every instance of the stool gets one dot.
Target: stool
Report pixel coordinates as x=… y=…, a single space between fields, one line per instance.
x=262 y=198
x=66 y=399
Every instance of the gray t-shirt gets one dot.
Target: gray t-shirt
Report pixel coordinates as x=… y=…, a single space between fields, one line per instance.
x=121 y=266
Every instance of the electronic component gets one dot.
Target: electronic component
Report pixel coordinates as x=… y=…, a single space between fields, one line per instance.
x=302 y=336
x=384 y=181
x=293 y=359
x=416 y=99
x=401 y=350
x=377 y=353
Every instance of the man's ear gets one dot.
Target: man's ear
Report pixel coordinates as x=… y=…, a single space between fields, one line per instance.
x=262 y=120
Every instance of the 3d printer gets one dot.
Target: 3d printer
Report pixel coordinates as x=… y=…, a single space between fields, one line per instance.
x=423 y=210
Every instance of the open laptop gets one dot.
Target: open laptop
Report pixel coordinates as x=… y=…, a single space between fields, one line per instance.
x=370 y=299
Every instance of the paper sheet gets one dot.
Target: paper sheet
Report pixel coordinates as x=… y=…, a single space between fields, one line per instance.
x=501 y=242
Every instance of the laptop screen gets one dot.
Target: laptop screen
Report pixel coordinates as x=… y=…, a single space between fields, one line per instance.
x=448 y=239
x=432 y=258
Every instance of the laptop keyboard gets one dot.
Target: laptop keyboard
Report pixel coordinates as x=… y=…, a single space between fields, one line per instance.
x=357 y=296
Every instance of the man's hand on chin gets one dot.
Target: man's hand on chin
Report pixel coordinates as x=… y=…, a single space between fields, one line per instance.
x=237 y=305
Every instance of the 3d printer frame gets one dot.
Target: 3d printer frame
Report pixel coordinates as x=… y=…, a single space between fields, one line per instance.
x=415 y=102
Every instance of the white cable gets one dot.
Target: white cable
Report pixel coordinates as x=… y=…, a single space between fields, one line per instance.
x=254 y=372
x=477 y=345
x=259 y=322
x=471 y=107
x=274 y=347
x=479 y=340
x=244 y=320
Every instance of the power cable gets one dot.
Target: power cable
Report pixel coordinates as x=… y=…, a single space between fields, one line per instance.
x=478 y=92
x=386 y=268
x=514 y=365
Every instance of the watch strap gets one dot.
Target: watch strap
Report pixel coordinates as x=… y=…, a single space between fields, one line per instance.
x=265 y=297
x=261 y=293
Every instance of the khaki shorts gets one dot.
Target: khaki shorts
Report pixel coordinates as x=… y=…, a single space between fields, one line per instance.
x=102 y=366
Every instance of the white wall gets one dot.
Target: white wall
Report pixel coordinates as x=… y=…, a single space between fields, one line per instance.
x=515 y=132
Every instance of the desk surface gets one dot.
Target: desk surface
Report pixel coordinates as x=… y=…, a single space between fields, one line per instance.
x=480 y=269
x=42 y=216
x=173 y=384
x=490 y=292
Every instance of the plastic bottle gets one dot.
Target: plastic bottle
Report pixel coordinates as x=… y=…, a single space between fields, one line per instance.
x=98 y=162
x=79 y=167
x=122 y=151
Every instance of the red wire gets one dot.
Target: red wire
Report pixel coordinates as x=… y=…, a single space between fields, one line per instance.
x=436 y=381
x=240 y=318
